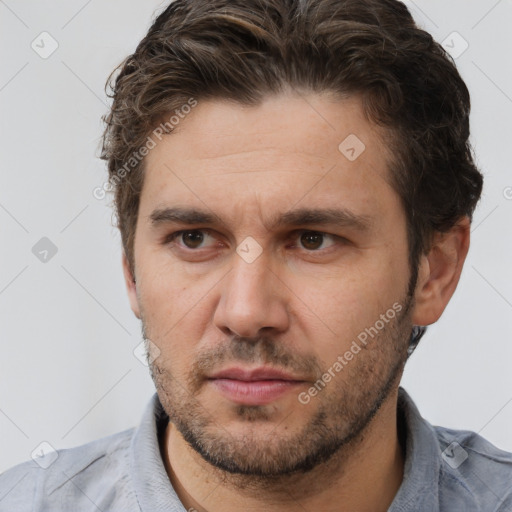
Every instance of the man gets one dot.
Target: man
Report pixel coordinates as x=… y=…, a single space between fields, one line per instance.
x=294 y=189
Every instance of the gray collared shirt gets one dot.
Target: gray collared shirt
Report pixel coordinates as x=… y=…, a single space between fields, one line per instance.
x=445 y=470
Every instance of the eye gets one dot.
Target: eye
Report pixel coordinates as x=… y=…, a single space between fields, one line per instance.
x=190 y=238
x=314 y=240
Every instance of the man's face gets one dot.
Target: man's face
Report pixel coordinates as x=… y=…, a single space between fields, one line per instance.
x=250 y=308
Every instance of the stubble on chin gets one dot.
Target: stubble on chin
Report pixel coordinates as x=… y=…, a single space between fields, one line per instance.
x=341 y=414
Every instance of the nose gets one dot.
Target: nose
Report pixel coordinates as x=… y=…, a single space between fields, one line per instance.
x=253 y=300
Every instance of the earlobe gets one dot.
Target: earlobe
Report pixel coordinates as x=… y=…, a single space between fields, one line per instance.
x=439 y=272
x=131 y=286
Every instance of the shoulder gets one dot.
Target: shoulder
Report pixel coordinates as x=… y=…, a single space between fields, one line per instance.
x=94 y=472
x=474 y=467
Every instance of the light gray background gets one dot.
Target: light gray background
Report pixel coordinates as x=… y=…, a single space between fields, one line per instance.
x=67 y=370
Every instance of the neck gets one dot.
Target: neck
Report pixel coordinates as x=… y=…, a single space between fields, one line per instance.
x=364 y=475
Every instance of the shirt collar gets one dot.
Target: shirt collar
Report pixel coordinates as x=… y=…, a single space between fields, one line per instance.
x=420 y=484
x=152 y=486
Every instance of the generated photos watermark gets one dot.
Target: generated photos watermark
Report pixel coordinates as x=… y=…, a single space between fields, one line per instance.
x=342 y=360
x=151 y=141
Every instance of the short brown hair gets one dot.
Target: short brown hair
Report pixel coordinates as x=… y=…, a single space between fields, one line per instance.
x=245 y=50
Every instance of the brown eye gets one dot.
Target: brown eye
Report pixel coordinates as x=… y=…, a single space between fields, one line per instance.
x=312 y=240
x=192 y=239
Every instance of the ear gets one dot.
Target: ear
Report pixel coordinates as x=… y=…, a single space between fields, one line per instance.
x=131 y=287
x=439 y=272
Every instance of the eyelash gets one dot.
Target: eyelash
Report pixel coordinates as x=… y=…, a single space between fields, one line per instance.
x=170 y=238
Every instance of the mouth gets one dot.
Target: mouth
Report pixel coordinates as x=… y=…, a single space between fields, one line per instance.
x=258 y=386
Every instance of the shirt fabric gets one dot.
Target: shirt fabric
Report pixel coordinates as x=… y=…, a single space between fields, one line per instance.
x=445 y=470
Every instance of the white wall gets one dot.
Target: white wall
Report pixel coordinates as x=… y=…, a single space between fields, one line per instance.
x=67 y=372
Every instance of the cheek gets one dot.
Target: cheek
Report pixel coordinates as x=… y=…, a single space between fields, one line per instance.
x=340 y=306
x=174 y=304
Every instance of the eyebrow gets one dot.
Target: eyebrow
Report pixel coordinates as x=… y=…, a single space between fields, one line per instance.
x=301 y=216
x=308 y=216
x=183 y=215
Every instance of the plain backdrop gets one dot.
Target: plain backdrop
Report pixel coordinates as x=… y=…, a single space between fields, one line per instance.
x=68 y=373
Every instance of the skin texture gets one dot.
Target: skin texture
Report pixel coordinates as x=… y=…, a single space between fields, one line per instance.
x=297 y=307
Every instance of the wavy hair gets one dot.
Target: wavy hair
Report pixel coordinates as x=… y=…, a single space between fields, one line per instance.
x=246 y=50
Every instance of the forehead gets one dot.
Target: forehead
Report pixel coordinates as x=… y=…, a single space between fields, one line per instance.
x=314 y=150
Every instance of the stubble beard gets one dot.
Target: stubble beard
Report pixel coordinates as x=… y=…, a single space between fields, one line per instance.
x=343 y=410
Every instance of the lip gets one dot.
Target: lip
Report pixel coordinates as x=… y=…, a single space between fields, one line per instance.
x=255 y=374
x=258 y=386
